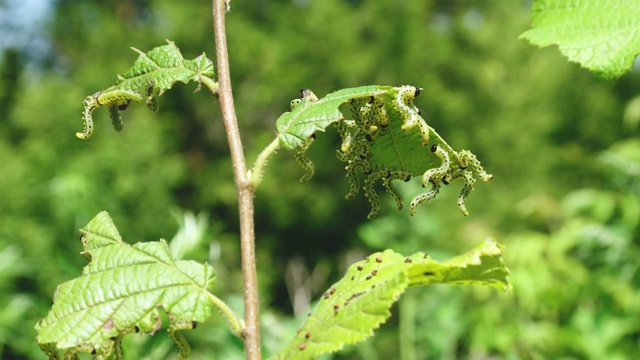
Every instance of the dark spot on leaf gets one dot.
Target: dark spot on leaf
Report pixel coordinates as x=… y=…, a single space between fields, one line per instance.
x=302 y=346
x=407 y=260
x=307 y=335
x=428 y=273
x=379 y=259
x=360 y=267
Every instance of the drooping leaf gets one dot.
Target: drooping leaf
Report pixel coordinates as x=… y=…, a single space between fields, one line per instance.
x=122 y=288
x=602 y=35
x=310 y=116
x=359 y=303
x=385 y=137
x=151 y=75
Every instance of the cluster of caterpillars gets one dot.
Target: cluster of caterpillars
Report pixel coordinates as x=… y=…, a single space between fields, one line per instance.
x=385 y=138
x=116 y=100
x=113 y=346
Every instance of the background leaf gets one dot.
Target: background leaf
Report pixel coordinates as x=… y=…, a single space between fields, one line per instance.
x=124 y=285
x=601 y=35
x=359 y=303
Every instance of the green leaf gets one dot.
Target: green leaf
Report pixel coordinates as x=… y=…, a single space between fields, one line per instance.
x=309 y=116
x=602 y=35
x=164 y=66
x=483 y=265
x=151 y=75
x=359 y=303
x=122 y=287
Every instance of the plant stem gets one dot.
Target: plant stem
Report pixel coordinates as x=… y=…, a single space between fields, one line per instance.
x=261 y=161
x=244 y=187
x=236 y=325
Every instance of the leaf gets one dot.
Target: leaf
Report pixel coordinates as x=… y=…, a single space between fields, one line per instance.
x=164 y=66
x=483 y=265
x=123 y=286
x=309 y=116
x=359 y=303
x=602 y=35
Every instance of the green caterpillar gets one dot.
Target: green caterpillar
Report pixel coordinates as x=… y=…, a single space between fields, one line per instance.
x=115 y=100
x=387 y=139
x=300 y=152
x=178 y=338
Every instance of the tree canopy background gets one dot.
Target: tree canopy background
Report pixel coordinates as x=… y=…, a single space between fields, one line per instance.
x=562 y=144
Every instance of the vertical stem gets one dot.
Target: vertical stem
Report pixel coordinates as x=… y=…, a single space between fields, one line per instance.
x=251 y=333
x=407 y=310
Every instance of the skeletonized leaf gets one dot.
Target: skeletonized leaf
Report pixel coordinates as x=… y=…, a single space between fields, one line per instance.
x=123 y=286
x=359 y=303
x=601 y=35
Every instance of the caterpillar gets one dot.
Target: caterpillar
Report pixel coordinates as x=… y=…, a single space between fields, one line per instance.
x=178 y=338
x=300 y=152
x=115 y=99
x=50 y=350
x=411 y=114
x=152 y=91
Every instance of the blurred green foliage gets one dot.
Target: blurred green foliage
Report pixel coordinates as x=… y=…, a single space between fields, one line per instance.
x=565 y=199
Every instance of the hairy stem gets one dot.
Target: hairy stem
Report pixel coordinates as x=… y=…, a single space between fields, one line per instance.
x=261 y=161
x=244 y=187
x=235 y=324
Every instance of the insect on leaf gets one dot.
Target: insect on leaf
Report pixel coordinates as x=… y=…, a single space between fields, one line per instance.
x=385 y=138
x=310 y=116
x=152 y=74
x=359 y=303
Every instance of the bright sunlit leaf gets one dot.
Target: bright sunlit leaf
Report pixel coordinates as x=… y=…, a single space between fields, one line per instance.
x=601 y=35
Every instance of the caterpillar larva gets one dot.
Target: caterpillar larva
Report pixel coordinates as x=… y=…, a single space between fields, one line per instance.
x=178 y=338
x=114 y=99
